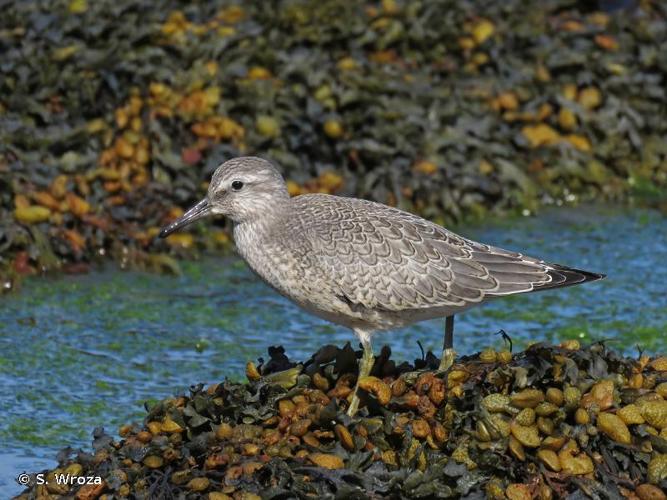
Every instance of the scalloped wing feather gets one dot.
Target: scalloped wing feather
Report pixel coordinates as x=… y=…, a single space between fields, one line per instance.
x=383 y=258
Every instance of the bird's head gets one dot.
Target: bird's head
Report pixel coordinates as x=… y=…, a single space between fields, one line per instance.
x=243 y=189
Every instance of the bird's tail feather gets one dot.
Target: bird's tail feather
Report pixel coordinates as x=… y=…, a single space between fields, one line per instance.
x=562 y=276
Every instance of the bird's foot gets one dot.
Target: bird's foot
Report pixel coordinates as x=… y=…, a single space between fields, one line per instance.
x=448 y=358
x=365 y=367
x=354 y=405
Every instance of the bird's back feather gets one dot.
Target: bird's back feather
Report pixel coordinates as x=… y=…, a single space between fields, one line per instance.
x=382 y=258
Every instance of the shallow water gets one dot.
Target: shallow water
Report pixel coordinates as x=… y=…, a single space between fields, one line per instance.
x=84 y=351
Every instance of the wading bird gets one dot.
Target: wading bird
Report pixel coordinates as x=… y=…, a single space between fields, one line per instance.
x=361 y=264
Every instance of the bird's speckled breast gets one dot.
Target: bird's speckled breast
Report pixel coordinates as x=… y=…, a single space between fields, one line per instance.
x=290 y=268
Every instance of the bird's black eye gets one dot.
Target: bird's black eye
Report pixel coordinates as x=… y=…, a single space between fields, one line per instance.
x=237 y=185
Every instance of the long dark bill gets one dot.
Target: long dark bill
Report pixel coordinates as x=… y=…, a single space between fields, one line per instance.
x=200 y=210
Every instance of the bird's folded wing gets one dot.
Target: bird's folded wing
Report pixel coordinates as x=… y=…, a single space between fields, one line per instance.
x=380 y=257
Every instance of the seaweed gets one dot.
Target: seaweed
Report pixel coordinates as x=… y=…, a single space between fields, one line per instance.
x=549 y=422
x=113 y=114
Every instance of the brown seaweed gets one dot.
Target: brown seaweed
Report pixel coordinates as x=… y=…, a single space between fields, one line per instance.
x=528 y=425
x=114 y=114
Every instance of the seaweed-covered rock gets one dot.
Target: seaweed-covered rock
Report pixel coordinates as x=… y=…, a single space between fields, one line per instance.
x=501 y=429
x=114 y=113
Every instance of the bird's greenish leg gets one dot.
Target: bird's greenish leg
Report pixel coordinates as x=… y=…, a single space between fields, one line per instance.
x=365 y=367
x=448 y=353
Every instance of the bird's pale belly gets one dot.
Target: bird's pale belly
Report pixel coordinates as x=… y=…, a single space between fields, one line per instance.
x=309 y=288
x=312 y=295
x=315 y=295
x=371 y=320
